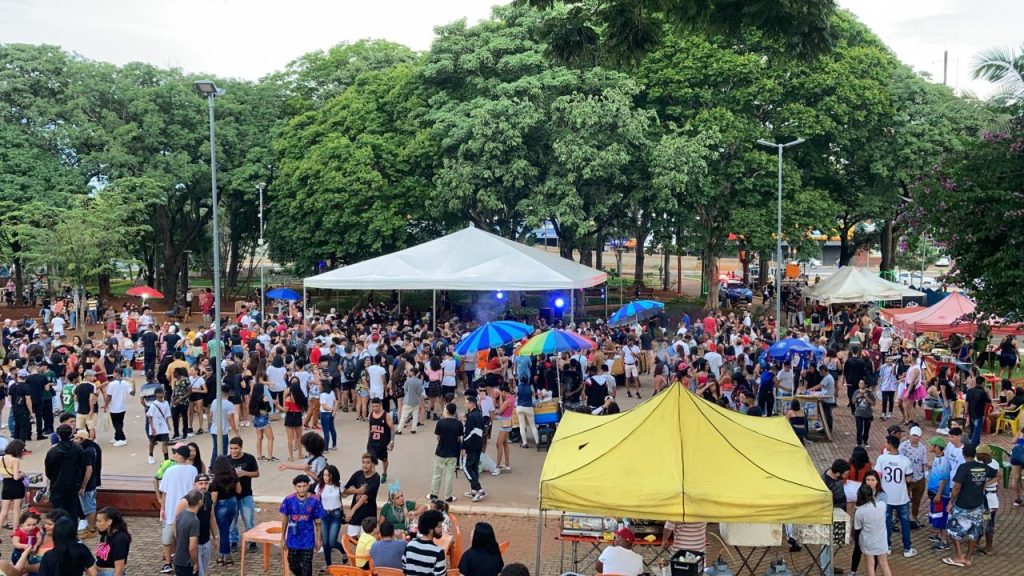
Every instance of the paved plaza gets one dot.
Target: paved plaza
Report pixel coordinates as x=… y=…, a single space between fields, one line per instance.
x=511 y=504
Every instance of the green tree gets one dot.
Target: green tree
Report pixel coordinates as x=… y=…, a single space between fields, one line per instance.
x=37 y=172
x=972 y=205
x=314 y=78
x=629 y=29
x=353 y=175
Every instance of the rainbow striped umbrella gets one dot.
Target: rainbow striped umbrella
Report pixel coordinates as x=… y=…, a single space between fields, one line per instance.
x=554 y=341
x=493 y=335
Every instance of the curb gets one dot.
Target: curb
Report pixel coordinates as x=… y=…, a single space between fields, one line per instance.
x=469 y=509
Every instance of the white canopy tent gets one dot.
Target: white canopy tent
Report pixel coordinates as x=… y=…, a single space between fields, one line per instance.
x=470 y=259
x=851 y=284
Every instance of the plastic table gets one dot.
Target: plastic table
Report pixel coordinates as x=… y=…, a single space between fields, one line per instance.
x=268 y=534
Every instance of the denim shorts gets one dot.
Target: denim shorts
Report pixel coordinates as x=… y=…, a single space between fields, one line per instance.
x=260 y=422
x=88 y=502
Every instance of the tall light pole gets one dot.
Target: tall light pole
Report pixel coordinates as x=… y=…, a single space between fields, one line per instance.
x=261 y=186
x=210 y=91
x=778 y=237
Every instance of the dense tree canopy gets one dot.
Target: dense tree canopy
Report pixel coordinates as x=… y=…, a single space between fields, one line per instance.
x=608 y=119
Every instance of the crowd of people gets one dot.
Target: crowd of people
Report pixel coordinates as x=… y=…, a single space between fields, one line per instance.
x=398 y=372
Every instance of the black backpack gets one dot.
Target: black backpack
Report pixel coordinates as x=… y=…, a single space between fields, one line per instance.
x=350 y=368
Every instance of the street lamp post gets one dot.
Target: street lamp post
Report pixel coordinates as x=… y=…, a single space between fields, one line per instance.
x=209 y=90
x=778 y=237
x=261 y=186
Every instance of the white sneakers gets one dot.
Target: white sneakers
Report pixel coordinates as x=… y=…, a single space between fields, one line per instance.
x=151 y=460
x=910 y=553
x=942 y=431
x=121 y=443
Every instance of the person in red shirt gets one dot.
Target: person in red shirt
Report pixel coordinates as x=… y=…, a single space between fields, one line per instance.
x=710 y=326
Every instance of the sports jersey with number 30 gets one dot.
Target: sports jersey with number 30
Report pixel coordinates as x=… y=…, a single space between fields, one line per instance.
x=894 y=470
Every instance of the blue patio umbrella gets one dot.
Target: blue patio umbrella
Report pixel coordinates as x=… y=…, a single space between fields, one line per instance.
x=783 y=349
x=638 y=310
x=493 y=335
x=284 y=294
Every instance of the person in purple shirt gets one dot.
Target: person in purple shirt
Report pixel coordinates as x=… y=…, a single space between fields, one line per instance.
x=300 y=531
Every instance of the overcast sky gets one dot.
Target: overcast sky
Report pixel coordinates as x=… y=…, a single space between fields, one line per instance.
x=250 y=38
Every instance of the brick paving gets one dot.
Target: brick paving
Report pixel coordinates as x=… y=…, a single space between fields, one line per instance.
x=514 y=525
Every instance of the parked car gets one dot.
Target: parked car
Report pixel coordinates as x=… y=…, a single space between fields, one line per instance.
x=733 y=291
x=943 y=261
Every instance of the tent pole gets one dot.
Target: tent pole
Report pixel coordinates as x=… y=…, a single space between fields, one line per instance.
x=572 y=307
x=540 y=530
x=305 y=305
x=433 y=311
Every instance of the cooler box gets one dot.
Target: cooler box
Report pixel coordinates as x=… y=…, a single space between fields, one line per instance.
x=546 y=412
x=687 y=563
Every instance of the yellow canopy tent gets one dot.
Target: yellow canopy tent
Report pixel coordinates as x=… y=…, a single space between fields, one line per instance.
x=678 y=457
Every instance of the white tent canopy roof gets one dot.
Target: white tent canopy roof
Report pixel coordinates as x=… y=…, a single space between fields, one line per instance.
x=469 y=259
x=851 y=284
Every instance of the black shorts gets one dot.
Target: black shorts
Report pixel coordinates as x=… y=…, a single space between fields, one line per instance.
x=293 y=419
x=348 y=385
x=159 y=438
x=196 y=396
x=377 y=452
x=12 y=489
x=1007 y=360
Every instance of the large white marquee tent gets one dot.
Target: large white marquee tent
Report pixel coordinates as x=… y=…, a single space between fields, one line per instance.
x=851 y=284
x=470 y=259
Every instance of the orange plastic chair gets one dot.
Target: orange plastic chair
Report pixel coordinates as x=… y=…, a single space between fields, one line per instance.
x=348 y=544
x=503 y=546
x=382 y=571
x=343 y=570
x=456 y=546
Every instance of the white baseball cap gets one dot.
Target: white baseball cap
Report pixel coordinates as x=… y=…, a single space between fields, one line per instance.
x=915 y=431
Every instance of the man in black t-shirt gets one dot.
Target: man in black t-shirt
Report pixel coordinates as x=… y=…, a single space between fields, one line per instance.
x=37 y=383
x=247 y=468
x=449 y=444
x=977 y=399
x=149 y=340
x=21 y=408
x=595 y=387
x=967 y=506
x=205 y=516
x=363 y=486
x=85 y=399
x=93 y=461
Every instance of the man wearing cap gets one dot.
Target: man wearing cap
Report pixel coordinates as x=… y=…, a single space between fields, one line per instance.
x=967 y=506
x=939 y=486
x=619 y=558
x=917 y=453
x=21 y=407
x=984 y=455
x=205 y=516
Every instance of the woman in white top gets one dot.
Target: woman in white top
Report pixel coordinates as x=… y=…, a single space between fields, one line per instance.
x=277 y=376
x=330 y=497
x=328 y=406
x=869 y=518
